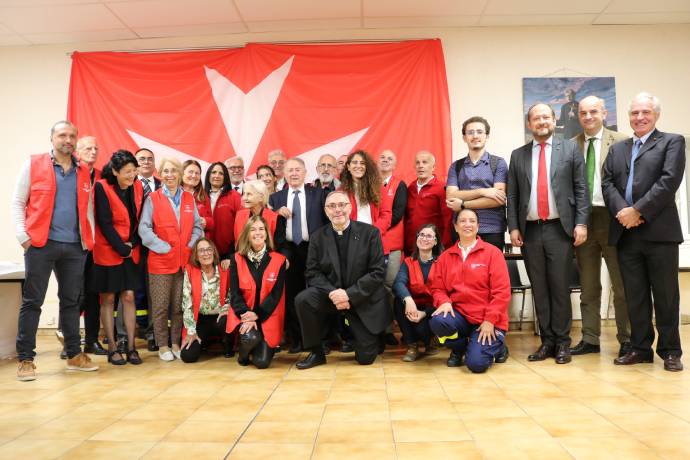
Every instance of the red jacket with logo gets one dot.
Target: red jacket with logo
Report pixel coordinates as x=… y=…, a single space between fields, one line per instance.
x=165 y=226
x=204 y=209
x=103 y=252
x=39 y=207
x=478 y=287
x=428 y=206
x=224 y=221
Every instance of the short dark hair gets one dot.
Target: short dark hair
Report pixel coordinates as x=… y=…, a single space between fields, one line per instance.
x=438 y=247
x=59 y=123
x=457 y=216
x=529 y=111
x=119 y=160
x=476 y=119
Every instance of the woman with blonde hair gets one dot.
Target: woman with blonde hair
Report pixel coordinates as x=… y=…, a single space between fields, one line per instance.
x=257 y=291
x=169 y=227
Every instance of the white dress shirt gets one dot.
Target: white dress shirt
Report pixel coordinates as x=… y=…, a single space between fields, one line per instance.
x=303 y=218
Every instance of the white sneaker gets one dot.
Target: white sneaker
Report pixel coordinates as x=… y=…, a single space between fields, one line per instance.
x=166 y=355
x=176 y=353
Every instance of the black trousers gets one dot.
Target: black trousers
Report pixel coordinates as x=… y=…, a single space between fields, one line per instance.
x=413 y=332
x=314 y=309
x=650 y=278
x=548 y=252
x=89 y=304
x=295 y=283
x=497 y=239
x=207 y=327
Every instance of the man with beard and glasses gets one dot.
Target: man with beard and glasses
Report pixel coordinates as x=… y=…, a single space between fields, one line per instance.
x=326 y=170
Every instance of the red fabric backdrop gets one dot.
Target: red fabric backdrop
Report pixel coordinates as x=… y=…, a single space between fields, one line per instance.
x=304 y=99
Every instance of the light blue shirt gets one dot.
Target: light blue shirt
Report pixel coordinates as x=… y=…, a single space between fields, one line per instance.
x=149 y=237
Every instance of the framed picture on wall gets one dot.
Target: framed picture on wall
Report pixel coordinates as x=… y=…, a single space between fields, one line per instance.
x=563 y=94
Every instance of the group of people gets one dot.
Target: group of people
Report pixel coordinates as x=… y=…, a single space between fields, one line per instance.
x=274 y=263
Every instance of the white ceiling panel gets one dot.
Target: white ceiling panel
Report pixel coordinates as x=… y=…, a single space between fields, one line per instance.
x=188 y=31
x=26 y=3
x=156 y=13
x=646 y=18
x=646 y=6
x=305 y=24
x=427 y=21
x=13 y=40
x=62 y=18
x=524 y=7
x=85 y=36
x=278 y=10
x=538 y=20
x=399 y=8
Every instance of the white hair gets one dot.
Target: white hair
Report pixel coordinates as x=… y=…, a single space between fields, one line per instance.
x=644 y=96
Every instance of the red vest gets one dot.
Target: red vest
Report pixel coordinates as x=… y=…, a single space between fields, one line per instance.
x=224 y=221
x=39 y=207
x=165 y=226
x=272 y=328
x=242 y=217
x=194 y=275
x=394 y=237
x=421 y=294
x=103 y=252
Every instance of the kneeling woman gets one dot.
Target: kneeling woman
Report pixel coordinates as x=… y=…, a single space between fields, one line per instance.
x=118 y=197
x=413 y=302
x=204 y=301
x=257 y=287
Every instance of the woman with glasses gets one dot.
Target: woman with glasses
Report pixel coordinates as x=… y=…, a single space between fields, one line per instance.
x=169 y=227
x=204 y=302
x=225 y=202
x=191 y=182
x=361 y=181
x=254 y=202
x=413 y=303
x=118 y=197
x=266 y=174
x=257 y=290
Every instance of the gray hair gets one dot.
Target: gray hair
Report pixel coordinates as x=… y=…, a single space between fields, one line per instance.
x=656 y=103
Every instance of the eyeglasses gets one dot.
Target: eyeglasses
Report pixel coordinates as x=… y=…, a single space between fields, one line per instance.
x=472 y=132
x=204 y=250
x=326 y=166
x=277 y=162
x=236 y=168
x=424 y=236
x=334 y=206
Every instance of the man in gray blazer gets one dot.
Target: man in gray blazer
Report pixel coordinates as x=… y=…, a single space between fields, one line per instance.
x=547 y=208
x=640 y=180
x=594 y=144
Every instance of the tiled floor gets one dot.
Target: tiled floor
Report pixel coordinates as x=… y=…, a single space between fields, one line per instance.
x=586 y=410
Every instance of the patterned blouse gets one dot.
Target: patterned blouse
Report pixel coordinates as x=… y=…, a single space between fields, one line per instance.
x=210 y=300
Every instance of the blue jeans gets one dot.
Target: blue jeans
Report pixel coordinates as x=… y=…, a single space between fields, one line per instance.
x=478 y=357
x=67 y=261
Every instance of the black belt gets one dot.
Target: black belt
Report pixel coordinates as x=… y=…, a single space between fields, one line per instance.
x=543 y=222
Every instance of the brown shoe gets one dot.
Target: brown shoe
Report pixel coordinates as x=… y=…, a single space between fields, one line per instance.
x=26 y=371
x=673 y=364
x=412 y=353
x=81 y=362
x=433 y=348
x=634 y=357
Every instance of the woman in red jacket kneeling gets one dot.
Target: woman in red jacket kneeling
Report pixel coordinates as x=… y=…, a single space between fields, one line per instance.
x=257 y=287
x=471 y=291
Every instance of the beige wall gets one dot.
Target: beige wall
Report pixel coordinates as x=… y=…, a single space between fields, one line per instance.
x=484 y=66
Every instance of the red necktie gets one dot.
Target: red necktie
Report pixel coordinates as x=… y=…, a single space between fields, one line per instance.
x=542 y=185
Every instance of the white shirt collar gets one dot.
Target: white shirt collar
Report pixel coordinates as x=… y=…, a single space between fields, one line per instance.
x=596 y=136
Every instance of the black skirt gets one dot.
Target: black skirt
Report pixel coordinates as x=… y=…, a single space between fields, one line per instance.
x=118 y=278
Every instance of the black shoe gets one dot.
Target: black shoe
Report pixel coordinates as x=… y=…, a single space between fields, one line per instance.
x=95 y=348
x=326 y=349
x=391 y=340
x=634 y=357
x=584 y=348
x=346 y=347
x=626 y=347
x=63 y=354
x=122 y=346
x=116 y=362
x=228 y=353
x=563 y=354
x=133 y=357
x=502 y=357
x=315 y=358
x=672 y=363
x=543 y=352
x=456 y=359
x=295 y=348
x=151 y=345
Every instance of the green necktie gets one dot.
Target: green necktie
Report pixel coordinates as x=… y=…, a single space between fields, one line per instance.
x=591 y=164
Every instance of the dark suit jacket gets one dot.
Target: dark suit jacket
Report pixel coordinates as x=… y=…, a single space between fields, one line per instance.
x=568 y=183
x=363 y=281
x=316 y=216
x=659 y=169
